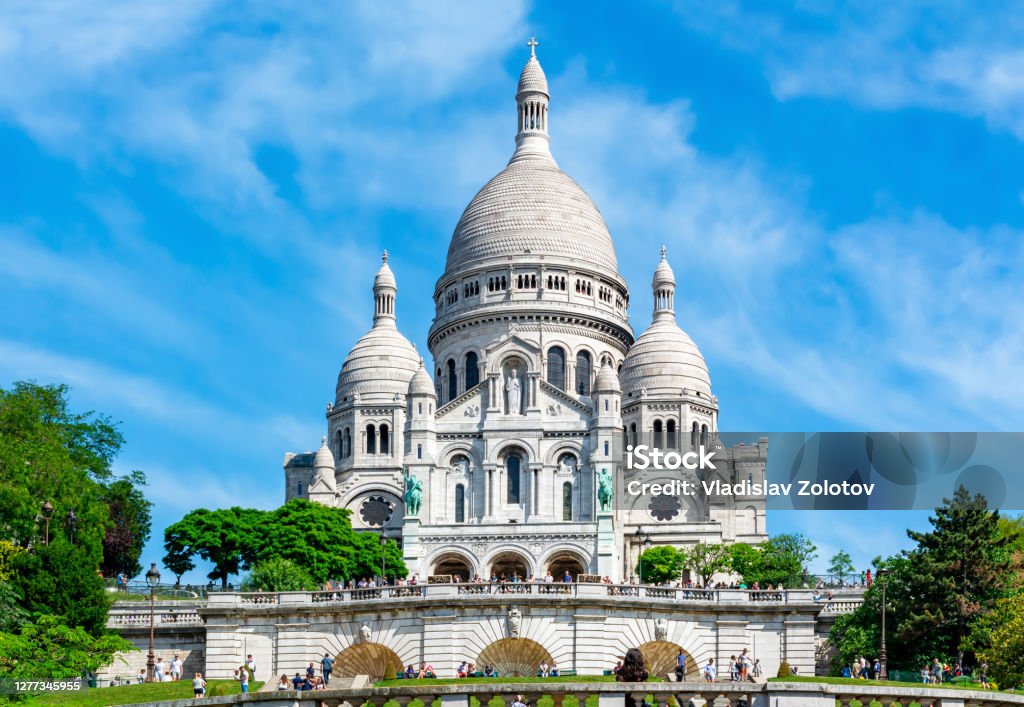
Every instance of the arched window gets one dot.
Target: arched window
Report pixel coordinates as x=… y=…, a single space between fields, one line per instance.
x=513 y=466
x=672 y=442
x=453 y=381
x=347 y=444
x=583 y=366
x=472 y=370
x=371 y=439
x=606 y=448
x=385 y=440
x=694 y=436
x=566 y=501
x=658 y=437
x=632 y=433
x=419 y=451
x=556 y=367
x=339 y=445
x=460 y=503
x=300 y=488
x=704 y=435
x=625 y=438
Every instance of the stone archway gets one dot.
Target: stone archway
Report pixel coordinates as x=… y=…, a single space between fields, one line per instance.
x=514 y=657
x=660 y=659
x=372 y=659
x=453 y=563
x=508 y=564
x=561 y=561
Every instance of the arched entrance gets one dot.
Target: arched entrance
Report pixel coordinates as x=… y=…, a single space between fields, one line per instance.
x=660 y=659
x=514 y=657
x=509 y=564
x=454 y=564
x=562 y=561
x=372 y=659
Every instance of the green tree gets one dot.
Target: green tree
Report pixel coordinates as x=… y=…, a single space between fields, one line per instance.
x=745 y=560
x=961 y=568
x=367 y=557
x=278 y=574
x=50 y=649
x=130 y=523
x=660 y=564
x=60 y=580
x=179 y=552
x=707 y=560
x=49 y=452
x=999 y=641
x=228 y=538
x=319 y=538
x=841 y=566
x=781 y=560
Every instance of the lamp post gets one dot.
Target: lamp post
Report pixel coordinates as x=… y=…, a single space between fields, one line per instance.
x=152 y=579
x=47 y=514
x=383 y=544
x=883 y=672
x=72 y=525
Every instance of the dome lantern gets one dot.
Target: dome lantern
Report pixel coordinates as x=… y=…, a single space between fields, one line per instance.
x=385 y=287
x=532 y=109
x=664 y=286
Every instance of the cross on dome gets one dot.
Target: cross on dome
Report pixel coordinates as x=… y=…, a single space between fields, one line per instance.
x=384 y=256
x=533 y=44
x=663 y=253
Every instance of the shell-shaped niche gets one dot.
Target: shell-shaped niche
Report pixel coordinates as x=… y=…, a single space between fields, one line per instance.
x=514 y=657
x=372 y=659
x=660 y=659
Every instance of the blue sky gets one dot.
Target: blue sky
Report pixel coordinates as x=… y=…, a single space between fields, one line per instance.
x=194 y=197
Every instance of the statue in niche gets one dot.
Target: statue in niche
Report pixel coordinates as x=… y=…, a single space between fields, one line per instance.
x=660 y=629
x=413 y=492
x=515 y=620
x=567 y=464
x=604 y=489
x=364 y=634
x=513 y=392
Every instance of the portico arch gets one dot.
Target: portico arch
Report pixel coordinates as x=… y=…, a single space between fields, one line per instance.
x=514 y=657
x=509 y=563
x=453 y=563
x=660 y=659
x=372 y=659
x=560 y=561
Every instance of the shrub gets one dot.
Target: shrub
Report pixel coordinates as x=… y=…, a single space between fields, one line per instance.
x=784 y=671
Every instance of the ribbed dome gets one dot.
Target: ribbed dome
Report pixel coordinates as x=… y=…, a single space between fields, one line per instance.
x=421 y=383
x=663 y=274
x=606 y=381
x=380 y=366
x=532 y=207
x=532 y=78
x=323 y=458
x=665 y=359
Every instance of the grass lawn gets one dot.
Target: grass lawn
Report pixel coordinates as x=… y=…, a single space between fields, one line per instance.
x=128 y=694
x=892 y=683
x=493 y=681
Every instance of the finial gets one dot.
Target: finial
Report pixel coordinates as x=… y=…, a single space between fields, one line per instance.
x=421 y=362
x=532 y=44
x=384 y=256
x=663 y=252
x=323 y=441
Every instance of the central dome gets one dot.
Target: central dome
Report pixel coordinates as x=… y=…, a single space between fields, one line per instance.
x=532 y=208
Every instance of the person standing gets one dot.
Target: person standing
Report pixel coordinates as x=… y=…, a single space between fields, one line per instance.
x=250 y=665
x=709 y=671
x=310 y=671
x=632 y=671
x=680 y=666
x=158 y=670
x=326 y=666
x=176 y=669
x=243 y=677
x=198 y=686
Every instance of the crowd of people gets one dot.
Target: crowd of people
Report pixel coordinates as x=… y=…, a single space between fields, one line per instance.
x=863 y=669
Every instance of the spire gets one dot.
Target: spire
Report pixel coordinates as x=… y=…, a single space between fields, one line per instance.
x=532 y=109
x=664 y=286
x=384 y=290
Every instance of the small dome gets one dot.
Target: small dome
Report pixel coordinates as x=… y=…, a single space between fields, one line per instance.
x=379 y=367
x=323 y=459
x=663 y=274
x=532 y=78
x=607 y=381
x=385 y=278
x=421 y=383
x=664 y=360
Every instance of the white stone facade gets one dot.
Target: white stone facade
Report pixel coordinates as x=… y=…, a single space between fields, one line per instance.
x=535 y=386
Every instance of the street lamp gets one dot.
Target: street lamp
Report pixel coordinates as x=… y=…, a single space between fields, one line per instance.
x=383 y=544
x=47 y=514
x=152 y=579
x=883 y=673
x=72 y=525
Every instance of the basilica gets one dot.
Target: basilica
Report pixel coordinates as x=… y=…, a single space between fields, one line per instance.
x=504 y=455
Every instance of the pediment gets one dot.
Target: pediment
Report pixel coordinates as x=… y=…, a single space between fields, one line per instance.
x=468 y=407
x=555 y=402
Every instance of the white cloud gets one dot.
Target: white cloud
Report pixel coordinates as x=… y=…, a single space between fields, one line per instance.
x=948 y=56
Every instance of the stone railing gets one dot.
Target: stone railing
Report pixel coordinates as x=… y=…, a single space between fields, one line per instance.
x=611 y=694
x=162 y=616
x=624 y=592
x=841 y=606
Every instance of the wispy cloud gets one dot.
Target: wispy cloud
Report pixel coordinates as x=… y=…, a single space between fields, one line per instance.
x=949 y=56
